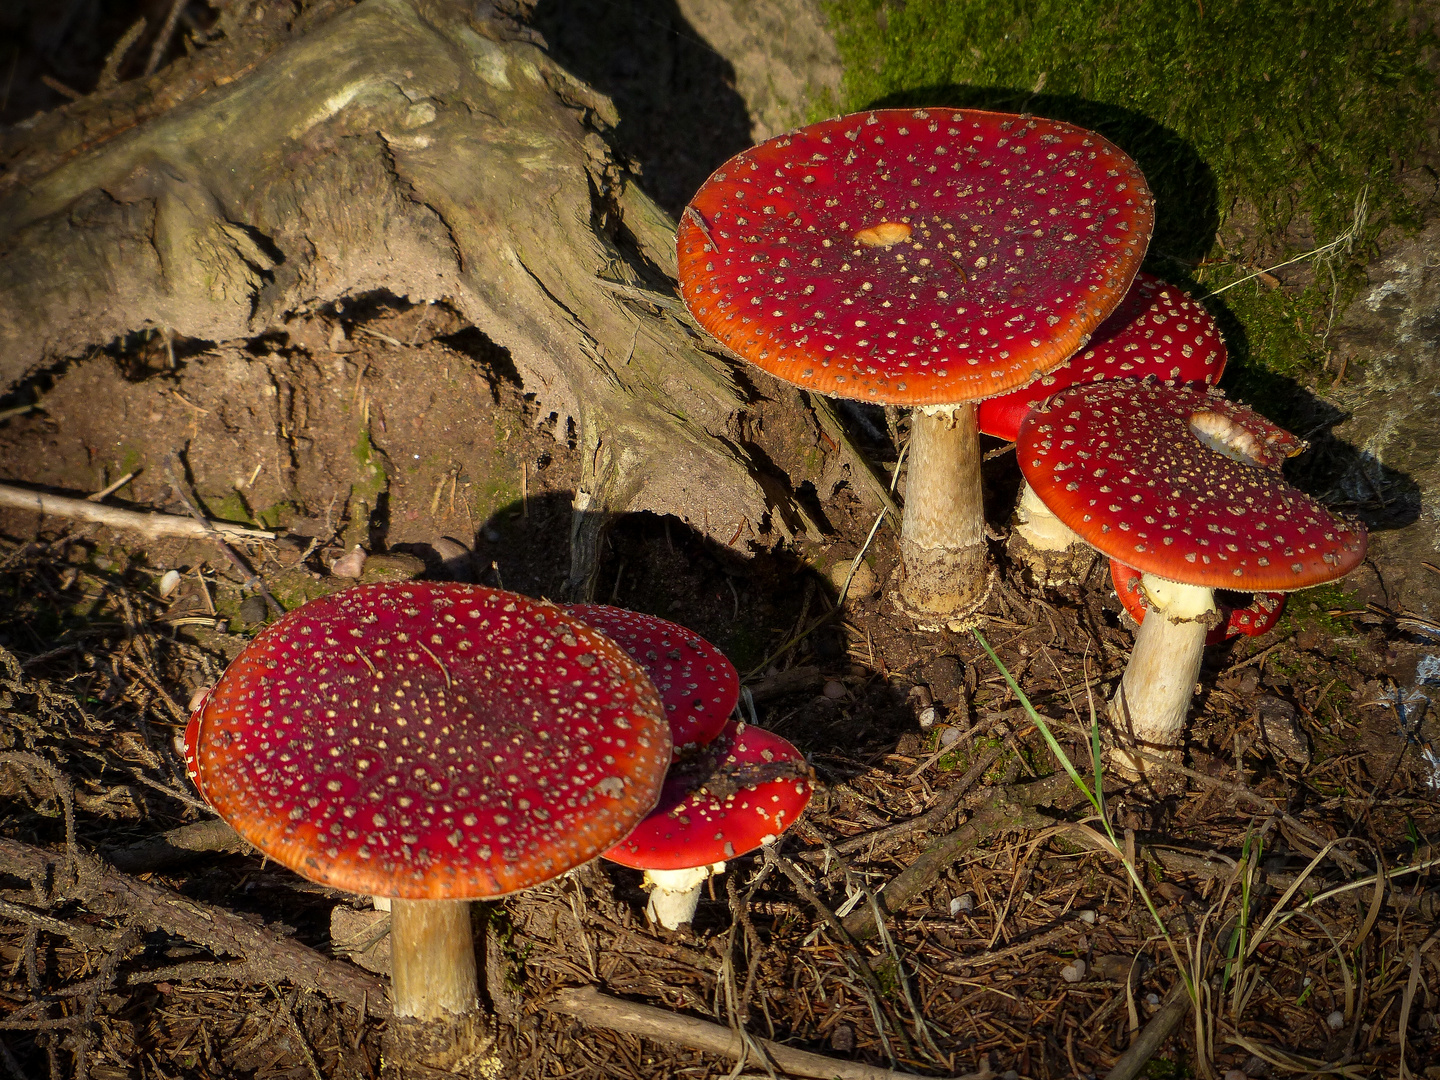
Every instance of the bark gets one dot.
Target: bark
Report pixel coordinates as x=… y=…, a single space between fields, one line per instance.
x=429 y=149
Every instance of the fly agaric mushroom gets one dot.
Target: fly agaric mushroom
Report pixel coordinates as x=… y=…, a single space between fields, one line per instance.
x=1252 y=619
x=432 y=743
x=698 y=685
x=1157 y=331
x=735 y=794
x=927 y=257
x=1185 y=487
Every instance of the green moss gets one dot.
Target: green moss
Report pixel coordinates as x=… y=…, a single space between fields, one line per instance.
x=1265 y=116
x=372 y=479
x=230 y=507
x=1314 y=609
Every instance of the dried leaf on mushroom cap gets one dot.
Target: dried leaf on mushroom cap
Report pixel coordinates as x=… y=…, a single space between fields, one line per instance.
x=1181 y=483
x=432 y=741
x=915 y=256
x=741 y=790
x=698 y=685
x=1156 y=331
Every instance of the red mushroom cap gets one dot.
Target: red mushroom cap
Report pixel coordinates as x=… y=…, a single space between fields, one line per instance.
x=698 y=685
x=918 y=257
x=1180 y=483
x=1252 y=620
x=741 y=790
x=192 y=742
x=1157 y=330
x=432 y=741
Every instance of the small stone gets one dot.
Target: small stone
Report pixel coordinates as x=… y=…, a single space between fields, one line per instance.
x=1336 y=1020
x=1152 y=1000
x=492 y=536
x=927 y=716
x=862 y=583
x=1010 y=1074
x=949 y=736
x=834 y=690
x=351 y=564
x=1235 y=1074
x=963 y=902
x=1073 y=972
x=1280 y=730
x=253 y=609
x=1087 y=917
x=169 y=582
x=842 y=1038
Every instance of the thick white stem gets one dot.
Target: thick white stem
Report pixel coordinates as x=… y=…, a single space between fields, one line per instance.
x=1039 y=527
x=942 y=534
x=432 y=956
x=1148 y=710
x=675 y=894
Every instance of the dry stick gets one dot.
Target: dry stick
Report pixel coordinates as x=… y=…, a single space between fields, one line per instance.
x=1000 y=814
x=252 y=579
x=591 y=1006
x=162 y=39
x=150 y=525
x=177 y=846
x=269 y=957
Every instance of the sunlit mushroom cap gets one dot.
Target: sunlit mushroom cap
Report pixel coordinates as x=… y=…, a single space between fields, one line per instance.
x=1180 y=483
x=432 y=741
x=698 y=686
x=1251 y=618
x=1157 y=331
x=917 y=257
x=743 y=789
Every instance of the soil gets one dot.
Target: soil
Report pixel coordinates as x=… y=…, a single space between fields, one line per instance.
x=1308 y=761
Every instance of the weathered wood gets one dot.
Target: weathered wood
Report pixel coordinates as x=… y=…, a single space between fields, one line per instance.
x=424 y=148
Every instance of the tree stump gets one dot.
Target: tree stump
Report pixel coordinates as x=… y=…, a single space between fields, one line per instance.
x=428 y=149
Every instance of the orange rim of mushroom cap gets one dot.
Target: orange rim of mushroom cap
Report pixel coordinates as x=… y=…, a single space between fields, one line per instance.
x=1181 y=483
x=915 y=256
x=432 y=741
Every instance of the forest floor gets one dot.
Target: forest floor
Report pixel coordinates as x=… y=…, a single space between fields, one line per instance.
x=1300 y=833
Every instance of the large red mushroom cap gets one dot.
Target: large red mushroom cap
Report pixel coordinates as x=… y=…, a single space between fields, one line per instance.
x=1252 y=619
x=1156 y=331
x=915 y=256
x=741 y=790
x=698 y=685
x=432 y=742
x=1180 y=483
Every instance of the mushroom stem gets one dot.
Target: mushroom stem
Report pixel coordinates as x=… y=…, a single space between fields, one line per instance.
x=1048 y=548
x=675 y=894
x=1148 y=710
x=942 y=535
x=432 y=954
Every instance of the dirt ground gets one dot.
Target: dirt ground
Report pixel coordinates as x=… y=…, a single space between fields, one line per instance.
x=1308 y=765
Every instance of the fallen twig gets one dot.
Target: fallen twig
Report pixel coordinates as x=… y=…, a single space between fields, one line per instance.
x=151 y=525
x=598 y=1009
x=269 y=956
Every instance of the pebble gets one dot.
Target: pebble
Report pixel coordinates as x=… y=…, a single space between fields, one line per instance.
x=1074 y=972
x=253 y=609
x=1235 y=1074
x=834 y=690
x=169 y=582
x=963 y=902
x=950 y=736
x=928 y=716
x=1336 y=1020
x=351 y=564
x=862 y=584
x=1087 y=917
x=1152 y=1000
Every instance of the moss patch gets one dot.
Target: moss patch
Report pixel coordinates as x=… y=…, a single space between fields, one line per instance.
x=1265 y=120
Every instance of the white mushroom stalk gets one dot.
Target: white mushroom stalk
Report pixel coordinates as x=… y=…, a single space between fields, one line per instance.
x=432 y=951
x=942 y=533
x=675 y=894
x=1150 y=705
x=1052 y=551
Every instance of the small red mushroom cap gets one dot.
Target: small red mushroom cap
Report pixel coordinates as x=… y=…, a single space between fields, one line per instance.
x=1252 y=619
x=743 y=789
x=1156 y=331
x=1180 y=483
x=915 y=256
x=698 y=685
x=432 y=741
x=192 y=742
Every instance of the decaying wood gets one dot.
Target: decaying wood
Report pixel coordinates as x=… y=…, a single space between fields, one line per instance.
x=149 y=525
x=268 y=956
x=598 y=1009
x=428 y=149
